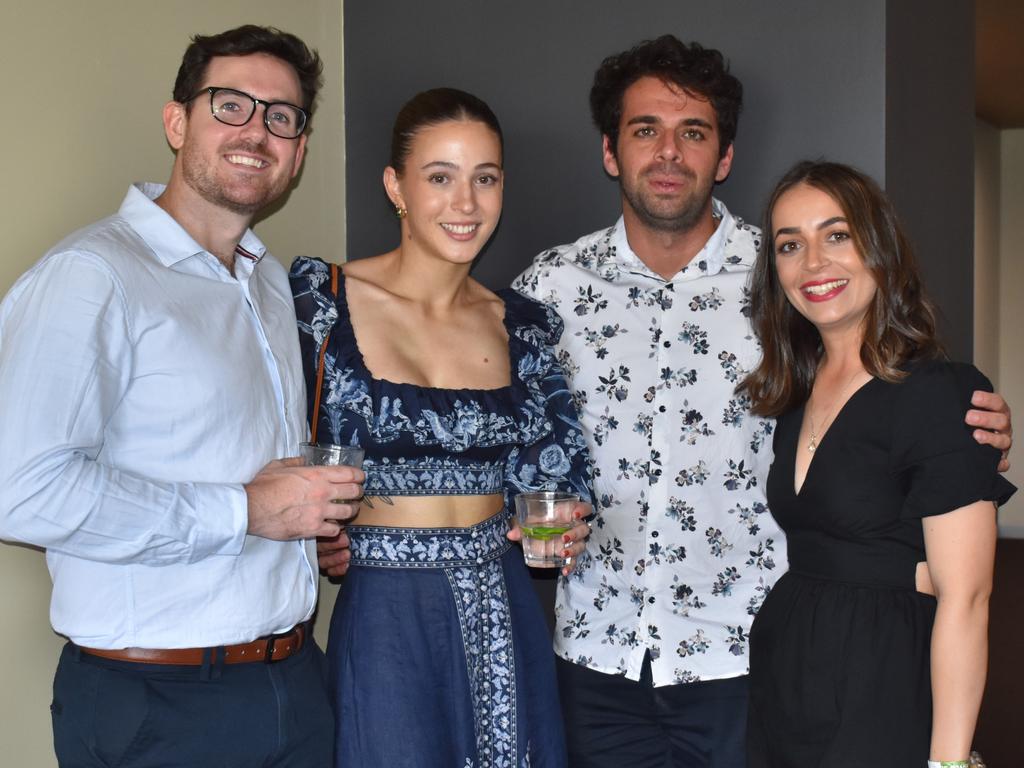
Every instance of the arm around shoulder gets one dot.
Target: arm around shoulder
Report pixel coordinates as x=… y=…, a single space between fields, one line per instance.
x=990 y=416
x=933 y=451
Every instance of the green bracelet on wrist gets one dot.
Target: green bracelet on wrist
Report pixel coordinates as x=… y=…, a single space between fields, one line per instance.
x=948 y=764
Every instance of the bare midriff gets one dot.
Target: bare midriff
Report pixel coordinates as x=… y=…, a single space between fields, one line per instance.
x=427 y=511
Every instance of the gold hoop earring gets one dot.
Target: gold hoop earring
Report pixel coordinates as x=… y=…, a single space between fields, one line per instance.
x=401 y=212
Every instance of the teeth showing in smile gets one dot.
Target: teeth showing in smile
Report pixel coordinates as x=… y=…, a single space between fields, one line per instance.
x=460 y=229
x=255 y=162
x=822 y=288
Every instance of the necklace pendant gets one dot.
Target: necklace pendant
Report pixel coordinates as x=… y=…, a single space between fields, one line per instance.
x=812 y=445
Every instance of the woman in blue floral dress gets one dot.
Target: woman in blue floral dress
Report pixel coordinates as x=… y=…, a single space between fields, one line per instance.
x=439 y=652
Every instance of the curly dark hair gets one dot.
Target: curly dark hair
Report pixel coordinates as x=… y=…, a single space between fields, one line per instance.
x=243 y=41
x=693 y=68
x=900 y=323
x=432 y=107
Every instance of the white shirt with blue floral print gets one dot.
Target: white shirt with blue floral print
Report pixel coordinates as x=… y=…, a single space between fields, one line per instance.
x=683 y=549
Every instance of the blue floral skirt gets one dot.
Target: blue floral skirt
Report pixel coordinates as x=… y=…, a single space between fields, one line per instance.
x=439 y=653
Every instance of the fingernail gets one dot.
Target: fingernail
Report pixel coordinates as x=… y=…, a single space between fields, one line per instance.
x=566 y=538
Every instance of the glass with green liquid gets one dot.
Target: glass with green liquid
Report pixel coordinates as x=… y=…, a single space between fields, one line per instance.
x=543 y=517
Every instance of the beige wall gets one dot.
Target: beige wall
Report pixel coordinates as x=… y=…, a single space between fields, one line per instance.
x=998 y=281
x=1011 y=284
x=90 y=80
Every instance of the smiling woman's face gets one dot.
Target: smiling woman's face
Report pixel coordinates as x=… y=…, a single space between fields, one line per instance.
x=819 y=267
x=451 y=188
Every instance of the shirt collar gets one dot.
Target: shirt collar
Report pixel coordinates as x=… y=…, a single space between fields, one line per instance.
x=710 y=260
x=167 y=238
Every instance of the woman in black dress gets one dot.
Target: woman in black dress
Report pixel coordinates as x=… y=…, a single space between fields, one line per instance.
x=871 y=650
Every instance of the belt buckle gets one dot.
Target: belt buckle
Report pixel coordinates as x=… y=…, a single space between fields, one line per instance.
x=270 y=649
x=295 y=632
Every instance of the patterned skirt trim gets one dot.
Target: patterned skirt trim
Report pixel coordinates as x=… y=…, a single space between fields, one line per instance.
x=382 y=547
x=472 y=560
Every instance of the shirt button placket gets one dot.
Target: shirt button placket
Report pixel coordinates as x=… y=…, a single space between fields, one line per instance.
x=660 y=442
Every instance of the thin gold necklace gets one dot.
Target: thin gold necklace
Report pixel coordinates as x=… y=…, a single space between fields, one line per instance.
x=812 y=444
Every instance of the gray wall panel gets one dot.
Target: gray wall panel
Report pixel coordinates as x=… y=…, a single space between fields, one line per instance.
x=929 y=160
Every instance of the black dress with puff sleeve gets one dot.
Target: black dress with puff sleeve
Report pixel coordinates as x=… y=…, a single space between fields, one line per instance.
x=839 y=666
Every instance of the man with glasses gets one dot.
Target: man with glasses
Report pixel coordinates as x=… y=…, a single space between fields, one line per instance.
x=151 y=382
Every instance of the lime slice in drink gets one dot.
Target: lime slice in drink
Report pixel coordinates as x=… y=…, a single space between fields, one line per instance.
x=544 y=532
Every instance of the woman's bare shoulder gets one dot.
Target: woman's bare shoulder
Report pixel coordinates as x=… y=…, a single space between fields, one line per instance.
x=483 y=299
x=368 y=276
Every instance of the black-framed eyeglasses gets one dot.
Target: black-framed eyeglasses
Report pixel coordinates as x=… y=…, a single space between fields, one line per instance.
x=232 y=107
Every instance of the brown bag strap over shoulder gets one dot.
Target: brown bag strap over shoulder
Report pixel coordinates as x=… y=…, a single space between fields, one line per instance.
x=314 y=417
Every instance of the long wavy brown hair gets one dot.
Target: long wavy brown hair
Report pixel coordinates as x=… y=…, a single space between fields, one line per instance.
x=899 y=326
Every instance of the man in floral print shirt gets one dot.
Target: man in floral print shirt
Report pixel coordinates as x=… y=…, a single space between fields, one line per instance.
x=652 y=627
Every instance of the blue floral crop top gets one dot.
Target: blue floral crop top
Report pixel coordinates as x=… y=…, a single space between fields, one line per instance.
x=423 y=441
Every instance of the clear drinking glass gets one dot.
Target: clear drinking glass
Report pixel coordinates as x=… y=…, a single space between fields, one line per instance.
x=331 y=455
x=543 y=517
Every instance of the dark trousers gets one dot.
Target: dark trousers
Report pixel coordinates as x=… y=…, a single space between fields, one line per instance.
x=612 y=722
x=115 y=713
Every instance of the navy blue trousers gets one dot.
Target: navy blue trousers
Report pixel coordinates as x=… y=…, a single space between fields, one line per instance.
x=612 y=722
x=113 y=713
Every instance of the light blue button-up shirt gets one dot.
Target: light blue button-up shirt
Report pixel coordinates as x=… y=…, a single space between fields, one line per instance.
x=140 y=385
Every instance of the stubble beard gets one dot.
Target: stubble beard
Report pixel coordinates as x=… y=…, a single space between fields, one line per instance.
x=242 y=198
x=678 y=215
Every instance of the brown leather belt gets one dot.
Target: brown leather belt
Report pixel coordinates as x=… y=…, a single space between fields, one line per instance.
x=266 y=649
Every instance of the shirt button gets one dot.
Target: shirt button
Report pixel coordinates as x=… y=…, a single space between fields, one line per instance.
x=661 y=408
x=668 y=344
x=650 y=600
